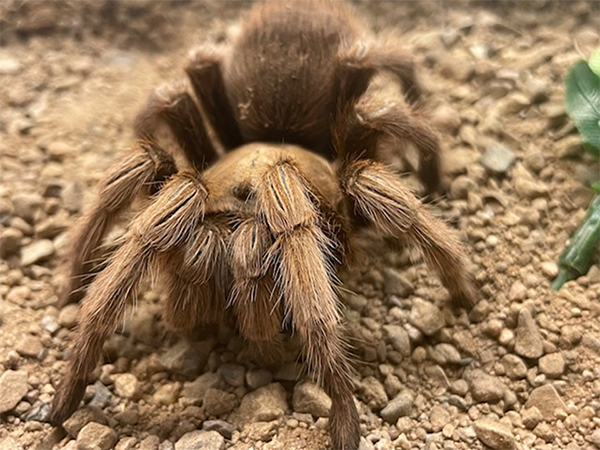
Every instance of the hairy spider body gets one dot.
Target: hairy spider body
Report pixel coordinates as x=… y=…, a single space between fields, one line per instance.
x=253 y=228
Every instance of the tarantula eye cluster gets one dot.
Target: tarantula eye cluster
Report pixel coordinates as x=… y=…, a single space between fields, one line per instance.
x=253 y=224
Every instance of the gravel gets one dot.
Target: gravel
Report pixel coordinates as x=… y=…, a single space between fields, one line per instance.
x=13 y=387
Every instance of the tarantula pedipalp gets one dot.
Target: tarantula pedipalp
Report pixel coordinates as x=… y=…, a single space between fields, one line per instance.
x=256 y=235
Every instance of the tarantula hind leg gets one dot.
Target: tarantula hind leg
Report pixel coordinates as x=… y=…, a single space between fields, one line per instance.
x=167 y=222
x=379 y=196
x=144 y=164
x=301 y=252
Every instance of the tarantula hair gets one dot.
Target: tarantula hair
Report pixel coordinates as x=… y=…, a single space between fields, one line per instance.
x=249 y=217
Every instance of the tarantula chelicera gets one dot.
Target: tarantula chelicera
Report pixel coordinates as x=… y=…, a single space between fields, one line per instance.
x=278 y=149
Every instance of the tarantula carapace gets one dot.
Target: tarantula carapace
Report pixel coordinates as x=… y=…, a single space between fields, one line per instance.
x=279 y=141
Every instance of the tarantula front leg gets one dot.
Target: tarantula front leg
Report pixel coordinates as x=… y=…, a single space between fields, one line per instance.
x=303 y=273
x=144 y=164
x=379 y=196
x=165 y=224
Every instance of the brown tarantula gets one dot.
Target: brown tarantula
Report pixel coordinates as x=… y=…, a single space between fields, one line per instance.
x=280 y=148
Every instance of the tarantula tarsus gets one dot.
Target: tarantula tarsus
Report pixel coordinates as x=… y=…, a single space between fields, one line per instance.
x=257 y=225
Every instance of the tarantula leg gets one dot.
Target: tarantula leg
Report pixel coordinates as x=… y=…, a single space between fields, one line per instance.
x=405 y=124
x=380 y=197
x=166 y=223
x=400 y=65
x=144 y=164
x=196 y=279
x=173 y=105
x=205 y=73
x=253 y=297
x=303 y=274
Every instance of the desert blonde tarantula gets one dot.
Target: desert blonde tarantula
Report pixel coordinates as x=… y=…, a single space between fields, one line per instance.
x=258 y=223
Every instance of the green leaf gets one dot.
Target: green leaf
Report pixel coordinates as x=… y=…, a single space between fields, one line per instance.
x=595 y=62
x=596 y=187
x=583 y=104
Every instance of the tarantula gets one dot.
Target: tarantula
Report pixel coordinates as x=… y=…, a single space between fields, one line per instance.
x=280 y=144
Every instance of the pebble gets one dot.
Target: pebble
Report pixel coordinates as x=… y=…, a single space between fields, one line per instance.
x=263 y=405
x=39 y=413
x=198 y=387
x=36 y=251
x=531 y=417
x=549 y=269
x=546 y=399
x=528 y=342
x=100 y=395
x=595 y=438
x=167 y=394
x=81 y=417
x=398 y=337
x=497 y=158
x=461 y=186
x=68 y=316
x=10 y=444
x=494 y=434
x=50 y=324
x=127 y=385
x=525 y=185
x=217 y=402
x=232 y=374
x=225 y=429
x=187 y=359
x=484 y=387
x=310 y=398
x=552 y=365
x=517 y=292
x=439 y=418
x=373 y=393
x=9 y=65
x=13 y=387
x=514 y=366
x=394 y=283
x=10 y=241
x=201 y=439
x=449 y=353
x=95 y=436
x=30 y=346
x=26 y=205
x=400 y=406
x=258 y=378
x=426 y=317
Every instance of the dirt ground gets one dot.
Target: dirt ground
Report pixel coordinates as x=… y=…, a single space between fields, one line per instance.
x=522 y=370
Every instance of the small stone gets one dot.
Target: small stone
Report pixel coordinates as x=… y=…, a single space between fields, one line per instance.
x=10 y=241
x=446 y=119
x=531 y=417
x=186 y=358
x=260 y=431
x=198 y=387
x=50 y=324
x=51 y=227
x=81 y=417
x=100 y=395
x=484 y=387
x=167 y=394
x=232 y=374
x=439 y=418
x=201 y=440
x=399 y=339
x=517 y=292
x=9 y=65
x=13 y=387
x=258 y=378
x=426 y=317
x=394 y=283
x=525 y=185
x=528 y=342
x=30 y=346
x=595 y=438
x=552 y=365
x=217 y=402
x=461 y=186
x=498 y=158
x=546 y=400
x=95 y=436
x=494 y=434
x=310 y=398
x=263 y=405
x=10 y=444
x=26 y=205
x=127 y=443
x=127 y=385
x=448 y=352
x=514 y=366
x=36 y=252
x=549 y=269
x=68 y=316
x=225 y=429
x=400 y=406
x=373 y=393
x=152 y=442
x=39 y=413
x=544 y=431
